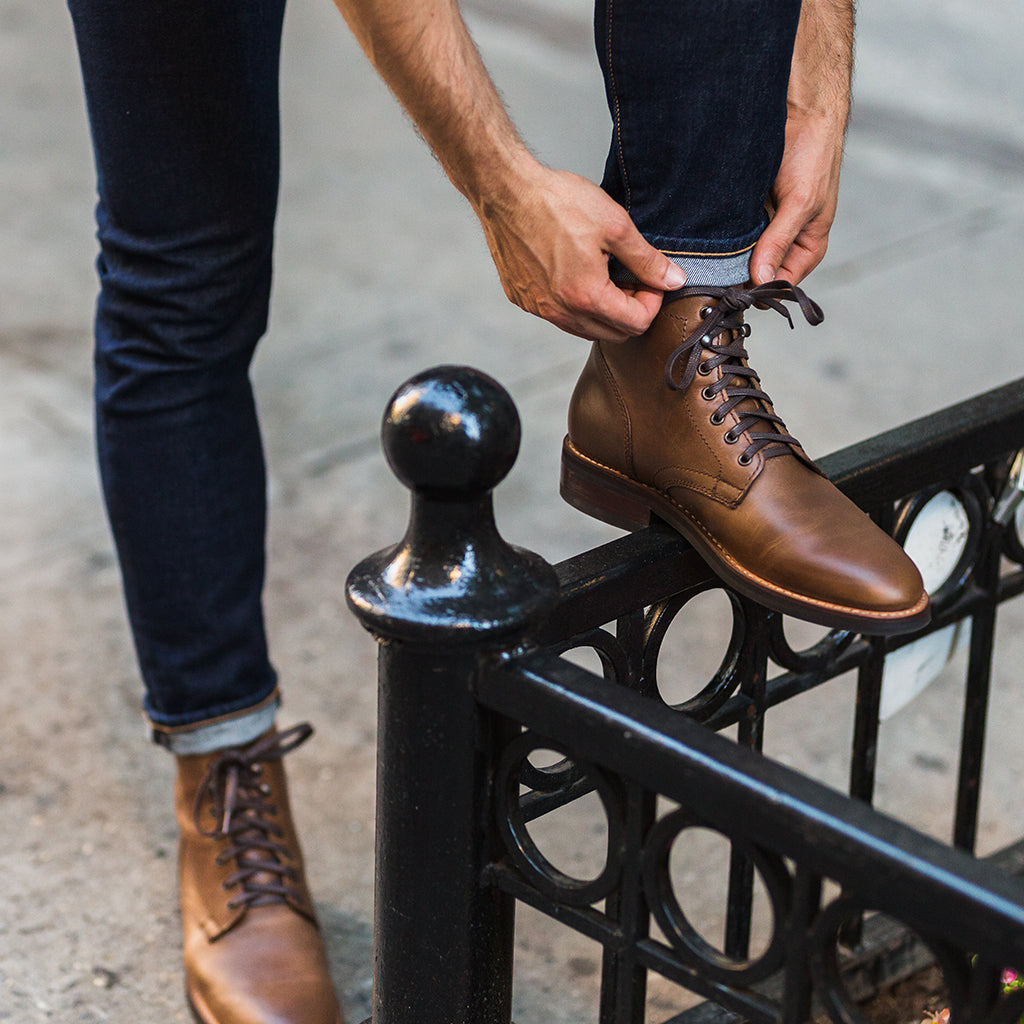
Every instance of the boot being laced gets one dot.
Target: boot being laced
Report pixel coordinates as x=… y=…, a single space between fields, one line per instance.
x=645 y=441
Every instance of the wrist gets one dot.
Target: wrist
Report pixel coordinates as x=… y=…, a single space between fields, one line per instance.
x=499 y=177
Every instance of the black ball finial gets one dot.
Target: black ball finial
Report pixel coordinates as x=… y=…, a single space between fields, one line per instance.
x=451 y=432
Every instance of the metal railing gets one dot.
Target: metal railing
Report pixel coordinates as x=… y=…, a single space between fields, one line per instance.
x=473 y=686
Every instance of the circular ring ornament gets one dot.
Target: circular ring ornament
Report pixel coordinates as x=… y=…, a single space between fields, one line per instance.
x=526 y=855
x=827 y=976
x=941 y=530
x=549 y=778
x=608 y=648
x=688 y=942
x=814 y=658
x=726 y=679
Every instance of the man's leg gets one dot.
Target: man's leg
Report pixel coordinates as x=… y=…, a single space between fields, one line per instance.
x=182 y=104
x=182 y=101
x=697 y=94
x=674 y=423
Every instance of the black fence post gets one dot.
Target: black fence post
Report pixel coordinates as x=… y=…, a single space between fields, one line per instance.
x=449 y=595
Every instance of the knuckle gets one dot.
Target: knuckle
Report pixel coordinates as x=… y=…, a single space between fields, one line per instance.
x=619 y=228
x=579 y=295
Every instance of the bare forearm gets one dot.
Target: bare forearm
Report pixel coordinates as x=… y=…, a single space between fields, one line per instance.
x=807 y=186
x=822 y=67
x=549 y=232
x=424 y=52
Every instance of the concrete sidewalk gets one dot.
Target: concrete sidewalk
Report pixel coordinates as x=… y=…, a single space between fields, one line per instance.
x=382 y=271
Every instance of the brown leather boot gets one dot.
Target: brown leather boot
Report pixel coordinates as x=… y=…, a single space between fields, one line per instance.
x=674 y=424
x=253 y=952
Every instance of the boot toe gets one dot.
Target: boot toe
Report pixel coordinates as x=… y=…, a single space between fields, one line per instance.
x=270 y=969
x=821 y=547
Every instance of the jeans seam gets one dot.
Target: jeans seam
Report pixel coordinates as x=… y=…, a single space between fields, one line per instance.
x=618 y=109
x=707 y=255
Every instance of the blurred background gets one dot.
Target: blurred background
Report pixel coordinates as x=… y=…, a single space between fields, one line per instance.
x=382 y=271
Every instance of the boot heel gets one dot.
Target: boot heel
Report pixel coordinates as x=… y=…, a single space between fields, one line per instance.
x=600 y=494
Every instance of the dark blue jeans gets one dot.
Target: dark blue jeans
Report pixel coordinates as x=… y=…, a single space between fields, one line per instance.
x=697 y=94
x=183 y=108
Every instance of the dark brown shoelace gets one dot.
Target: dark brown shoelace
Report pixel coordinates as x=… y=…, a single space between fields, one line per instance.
x=243 y=810
x=721 y=332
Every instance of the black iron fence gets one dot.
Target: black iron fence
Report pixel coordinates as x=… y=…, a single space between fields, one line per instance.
x=473 y=686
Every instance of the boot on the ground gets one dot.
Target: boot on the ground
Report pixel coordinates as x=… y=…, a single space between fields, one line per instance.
x=252 y=946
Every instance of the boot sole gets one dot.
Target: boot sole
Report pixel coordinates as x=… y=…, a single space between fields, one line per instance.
x=612 y=497
x=201 y=1018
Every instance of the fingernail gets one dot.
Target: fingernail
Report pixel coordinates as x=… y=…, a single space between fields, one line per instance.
x=766 y=272
x=675 y=276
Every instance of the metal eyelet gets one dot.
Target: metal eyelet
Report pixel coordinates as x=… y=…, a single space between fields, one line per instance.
x=716 y=420
x=729 y=437
x=704 y=312
x=703 y=369
x=745 y=459
x=746 y=330
x=707 y=341
x=707 y=394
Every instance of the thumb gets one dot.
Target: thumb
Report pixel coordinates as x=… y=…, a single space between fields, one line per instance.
x=647 y=264
x=773 y=246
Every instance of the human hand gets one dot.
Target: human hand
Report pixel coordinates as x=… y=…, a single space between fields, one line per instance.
x=551 y=239
x=804 y=199
x=807 y=186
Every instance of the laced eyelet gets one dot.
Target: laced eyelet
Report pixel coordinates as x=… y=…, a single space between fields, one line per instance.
x=707 y=394
x=703 y=369
x=746 y=330
x=704 y=312
x=745 y=459
x=729 y=437
x=716 y=420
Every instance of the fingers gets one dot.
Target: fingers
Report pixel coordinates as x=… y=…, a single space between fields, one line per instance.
x=551 y=245
x=647 y=264
x=800 y=261
x=613 y=314
x=789 y=249
x=773 y=246
x=634 y=308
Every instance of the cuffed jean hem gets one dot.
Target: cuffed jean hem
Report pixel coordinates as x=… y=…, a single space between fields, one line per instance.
x=234 y=730
x=731 y=268
x=715 y=270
